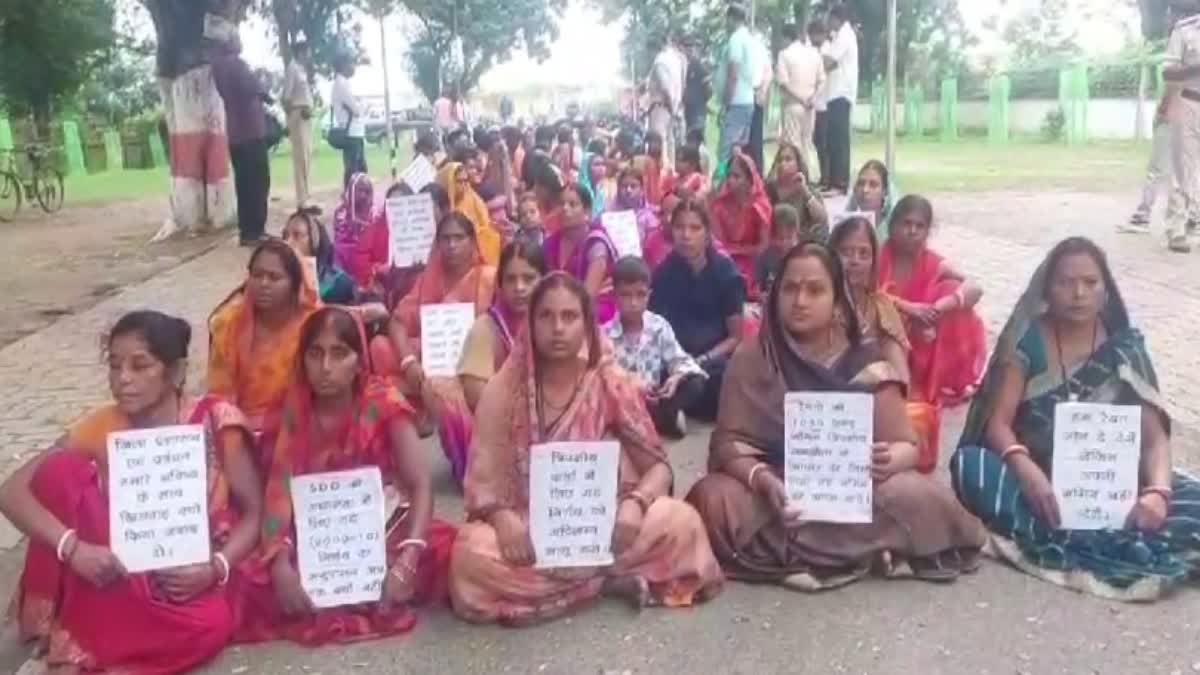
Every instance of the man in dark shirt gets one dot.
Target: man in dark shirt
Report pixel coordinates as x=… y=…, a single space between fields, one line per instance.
x=246 y=127
x=697 y=87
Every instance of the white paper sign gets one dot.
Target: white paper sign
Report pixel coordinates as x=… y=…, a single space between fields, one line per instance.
x=1097 y=448
x=444 y=329
x=573 y=503
x=158 y=497
x=827 y=470
x=622 y=228
x=310 y=272
x=411 y=229
x=340 y=536
x=419 y=174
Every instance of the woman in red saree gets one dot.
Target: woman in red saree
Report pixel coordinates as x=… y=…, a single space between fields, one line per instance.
x=937 y=301
x=74 y=594
x=337 y=416
x=559 y=385
x=741 y=215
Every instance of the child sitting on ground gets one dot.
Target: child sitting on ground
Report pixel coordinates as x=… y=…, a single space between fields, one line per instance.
x=785 y=235
x=529 y=221
x=645 y=345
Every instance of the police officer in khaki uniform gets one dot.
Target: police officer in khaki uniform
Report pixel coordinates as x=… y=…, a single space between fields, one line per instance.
x=1182 y=68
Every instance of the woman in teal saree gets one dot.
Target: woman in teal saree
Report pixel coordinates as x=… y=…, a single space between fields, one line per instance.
x=1070 y=339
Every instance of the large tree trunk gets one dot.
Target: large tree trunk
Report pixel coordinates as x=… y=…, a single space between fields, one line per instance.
x=201 y=194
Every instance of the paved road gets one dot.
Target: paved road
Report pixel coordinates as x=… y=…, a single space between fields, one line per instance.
x=997 y=621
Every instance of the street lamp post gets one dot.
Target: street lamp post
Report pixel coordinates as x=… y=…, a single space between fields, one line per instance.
x=890 y=152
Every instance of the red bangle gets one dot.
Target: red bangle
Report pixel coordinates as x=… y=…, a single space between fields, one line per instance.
x=1164 y=492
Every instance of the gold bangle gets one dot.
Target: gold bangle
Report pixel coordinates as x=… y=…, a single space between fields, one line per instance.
x=753 y=471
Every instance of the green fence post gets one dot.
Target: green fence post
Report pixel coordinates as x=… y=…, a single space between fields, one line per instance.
x=113 y=160
x=948 y=115
x=914 y=110
x=878 y=105
x=73 y=149
x=6 y=139
x=1082 y=96
x=999 y=90
x=158 y=154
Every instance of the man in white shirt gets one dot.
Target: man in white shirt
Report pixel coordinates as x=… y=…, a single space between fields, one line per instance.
x=1181 y=67
x=818 y=37
x=800 y=72
x=666 y=96
x=841 y=62
x=348 y=115
x=297 y=103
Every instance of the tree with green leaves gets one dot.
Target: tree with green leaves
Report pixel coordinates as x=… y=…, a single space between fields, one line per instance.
x=457 y=41
x=329 y=26
x=49 y=48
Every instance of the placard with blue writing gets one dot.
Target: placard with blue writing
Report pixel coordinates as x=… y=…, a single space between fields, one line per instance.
x=158 y=497
x=827 y=455
x=1097 y=449
x=573 y=503
x=340 y=536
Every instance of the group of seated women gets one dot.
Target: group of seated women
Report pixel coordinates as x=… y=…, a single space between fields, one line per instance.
x=296 y=386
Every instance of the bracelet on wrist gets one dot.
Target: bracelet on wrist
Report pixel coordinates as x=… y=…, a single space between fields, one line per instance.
x=221 y=563
x=60 y=549
x=419 y=543
x=1013 y=450
x=753 y=473
x=1165 y=492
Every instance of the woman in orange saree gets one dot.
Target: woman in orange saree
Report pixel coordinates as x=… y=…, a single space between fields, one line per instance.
x=559 y=385
x=741 y=215
x=254 y=334
x=74 y=594
x=937 y=301
x=337 y=416
x=455 y=178
x=881 y=324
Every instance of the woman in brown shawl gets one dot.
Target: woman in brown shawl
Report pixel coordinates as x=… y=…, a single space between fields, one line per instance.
x=810 y=341
x=559 y=384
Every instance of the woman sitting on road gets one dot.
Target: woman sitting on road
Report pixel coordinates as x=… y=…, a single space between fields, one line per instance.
x=789 y=183
x=810 y=341
x=881 y=324
x=741 y=217
x=255 y=332
x=949 y=343
x=874 y=193
x=546 y=183
x=559 y=385
x=74 y=594
x=602 y=186
x=487 y=346
x=352 y=217
x=582 y=248
x=1070 y=338
x=700 y=292
x=308 y=237
x=455 y=179
x=338 y=416
x=631 y=196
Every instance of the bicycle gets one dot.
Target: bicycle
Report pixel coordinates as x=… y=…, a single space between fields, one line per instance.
x=45 y=184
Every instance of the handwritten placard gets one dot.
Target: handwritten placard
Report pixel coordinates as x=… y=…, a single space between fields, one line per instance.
x=310 y=272
x=573 y=503
x=419 y=174
x=444 y=328
x=340 y=536
x=827 y=471
x=411 y=229
x=622 y=228
x=158 y=497
x=1095 y=470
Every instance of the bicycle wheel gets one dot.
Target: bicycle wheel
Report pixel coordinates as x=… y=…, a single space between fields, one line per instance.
x=49 y=189
x=10 y=196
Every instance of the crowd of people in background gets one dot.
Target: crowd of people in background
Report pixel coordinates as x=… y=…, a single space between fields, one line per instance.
x=748 y=288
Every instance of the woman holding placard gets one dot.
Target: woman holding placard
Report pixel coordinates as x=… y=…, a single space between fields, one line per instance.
x=560 y=386
x=810 y=342
x=583 y=249
x=255 y=332
x=75 y=593
x=1070 y=340
x=631 y=196
x=337 y=417
x=455 y=179
x=880 y=322
x=488 y=345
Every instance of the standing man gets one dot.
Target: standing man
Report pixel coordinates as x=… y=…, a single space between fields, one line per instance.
x=801 y=75
x=298 y=105
x=1182 y=68
x=347 y=114
x=763 y=74
x=841 y=62
x=666 y=96
x=246 y=124
x=736 y=78
x=818 y=38
x=697 y=88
